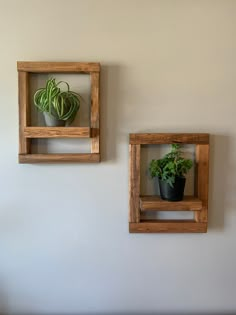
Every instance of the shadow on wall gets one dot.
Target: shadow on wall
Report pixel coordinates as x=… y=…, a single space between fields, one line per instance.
x=131 y=313
x=219 y=180
x=110 y=115
x=163 y=313
x=3 y=300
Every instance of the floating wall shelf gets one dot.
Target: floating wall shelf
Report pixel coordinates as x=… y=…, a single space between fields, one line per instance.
x=197 y=203
x=28 y=132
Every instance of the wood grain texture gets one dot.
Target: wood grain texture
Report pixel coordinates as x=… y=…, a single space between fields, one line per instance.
x=154 y=203
x=65 y=67
x=134 y=183
x=202 y=175
x=24 y=111
x=95 y=113
x=168 y=138
x=59 y=158
x=168 y=227
x=57 y=132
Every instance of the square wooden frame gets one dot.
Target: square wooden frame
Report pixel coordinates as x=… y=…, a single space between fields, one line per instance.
x=27 y=132
x=197 y=203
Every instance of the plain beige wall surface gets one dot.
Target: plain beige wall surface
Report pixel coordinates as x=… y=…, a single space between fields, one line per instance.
x=167 y=66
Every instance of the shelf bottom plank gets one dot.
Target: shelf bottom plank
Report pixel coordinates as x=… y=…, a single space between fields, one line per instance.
x=60 y=158
x=168 y=227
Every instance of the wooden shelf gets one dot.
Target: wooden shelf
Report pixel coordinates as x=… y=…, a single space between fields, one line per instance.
x=28 y=132
x=168 y=227
x=57 y=132
x=59 y=158
x=198 y=204
x=153 y=203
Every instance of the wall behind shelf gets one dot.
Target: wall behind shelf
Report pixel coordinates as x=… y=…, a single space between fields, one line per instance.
x=167 y=66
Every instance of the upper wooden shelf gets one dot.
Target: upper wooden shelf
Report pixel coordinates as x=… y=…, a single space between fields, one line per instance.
x=189 y=203
x=28 y=132
x=57 y=132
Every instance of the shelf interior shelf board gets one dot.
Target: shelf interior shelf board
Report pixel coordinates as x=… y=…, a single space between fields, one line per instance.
x=155 y=203
x=57 y=132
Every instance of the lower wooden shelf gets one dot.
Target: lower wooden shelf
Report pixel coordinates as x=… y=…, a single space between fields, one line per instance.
x=60 y=158
x=140 y=205
x=164 y=226
x=154 y=203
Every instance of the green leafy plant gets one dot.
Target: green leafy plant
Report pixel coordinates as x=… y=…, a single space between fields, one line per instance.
x=62 y=105
x=172 y=165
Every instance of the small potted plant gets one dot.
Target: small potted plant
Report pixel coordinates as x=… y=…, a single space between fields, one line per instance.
x=171 y=171
x=58 y=106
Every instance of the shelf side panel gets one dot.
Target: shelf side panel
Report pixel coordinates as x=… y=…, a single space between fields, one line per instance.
x=202 y=174
x=24 y=111
x=95 y=113
x=134 y=182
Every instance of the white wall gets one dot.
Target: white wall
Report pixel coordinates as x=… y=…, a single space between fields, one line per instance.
x=167 y=66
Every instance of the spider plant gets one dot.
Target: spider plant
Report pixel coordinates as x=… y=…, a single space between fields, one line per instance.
x=61 y=105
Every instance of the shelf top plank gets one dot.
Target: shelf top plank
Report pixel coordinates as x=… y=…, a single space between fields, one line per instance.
x=155 y=203
x=58 y=67
x=57 y=132
x=169 y=138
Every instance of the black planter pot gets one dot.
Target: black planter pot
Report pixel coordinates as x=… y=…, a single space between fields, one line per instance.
x=175 y=193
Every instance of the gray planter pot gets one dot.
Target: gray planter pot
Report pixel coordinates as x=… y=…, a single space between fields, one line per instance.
x=175 y=193
x=53 y=122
